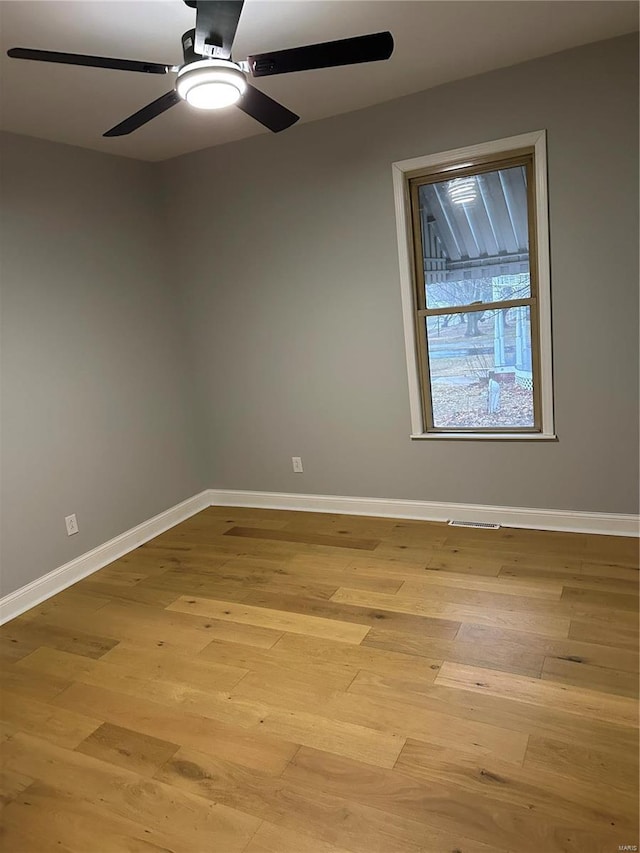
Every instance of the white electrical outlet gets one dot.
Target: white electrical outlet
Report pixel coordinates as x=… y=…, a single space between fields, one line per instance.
x=297 y=464
x=72 y=524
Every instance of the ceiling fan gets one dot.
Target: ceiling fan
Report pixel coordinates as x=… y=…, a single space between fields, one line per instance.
x=209 y=78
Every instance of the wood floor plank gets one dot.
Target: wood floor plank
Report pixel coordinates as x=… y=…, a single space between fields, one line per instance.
x=223 y=548
x=548 y=625
x=339 y=524
x=579 y=577
x=592 y=677
x=139 y=593
x=614 y=709
x=472 y=555
x=300 y=586
x=305 y=538
x=276 y=839
x=590 y=765
x=567 y=648
x=127 y=748
x=606 y=633
x=278 y=620
x=548 y=590
x=165 y=664
x=13 y=650
x=64 y=603
x=601 y=598
x=242 y=514
x=12 y=784
x=373 y=683
x=147 y=562
x=628 y=620
x=20 y=834
x=267 y=563
x=623 y=550
x=465 y=560
x=376 y=566
x=497 y=599
x=276 y=683
x=248 y=635
x=119 y=575
x=159 y=564
x=400 y=552
x=29 y=636
x=610 y=570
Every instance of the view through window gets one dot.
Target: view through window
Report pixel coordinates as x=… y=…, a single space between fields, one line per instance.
x=476 y=295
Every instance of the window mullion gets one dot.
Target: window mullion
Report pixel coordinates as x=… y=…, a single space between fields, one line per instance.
x=469 y=309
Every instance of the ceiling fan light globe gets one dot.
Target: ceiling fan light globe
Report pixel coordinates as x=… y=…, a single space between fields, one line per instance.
x=213 y=96
x=211 y=84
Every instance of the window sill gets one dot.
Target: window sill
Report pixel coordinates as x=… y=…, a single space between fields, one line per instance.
x=484 y=436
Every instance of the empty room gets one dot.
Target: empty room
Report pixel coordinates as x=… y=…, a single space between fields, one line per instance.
x=319 y=426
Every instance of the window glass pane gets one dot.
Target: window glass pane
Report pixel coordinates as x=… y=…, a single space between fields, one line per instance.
x=480 y=366
x=475 y=238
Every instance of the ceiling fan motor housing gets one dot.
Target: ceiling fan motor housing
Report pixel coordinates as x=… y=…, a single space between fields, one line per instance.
x=188 y=42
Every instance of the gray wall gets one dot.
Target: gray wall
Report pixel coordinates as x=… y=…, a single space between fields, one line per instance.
x=293 y=293
x=97 y=396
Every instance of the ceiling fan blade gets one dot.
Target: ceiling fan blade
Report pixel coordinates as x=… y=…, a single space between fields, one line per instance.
x=90 y=61
x=328 y=54
x=216 y=25
x=155 y=108
x=265 y=110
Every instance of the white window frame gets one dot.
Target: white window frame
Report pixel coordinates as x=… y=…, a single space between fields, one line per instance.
x=451 y=161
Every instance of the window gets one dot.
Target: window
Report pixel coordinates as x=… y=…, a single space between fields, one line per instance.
x=474 y=264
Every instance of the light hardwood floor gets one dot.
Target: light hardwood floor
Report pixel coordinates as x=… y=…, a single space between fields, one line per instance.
x=259 y=681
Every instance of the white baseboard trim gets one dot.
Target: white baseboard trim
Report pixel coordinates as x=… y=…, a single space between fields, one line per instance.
x=28 y=596
x=539 y=519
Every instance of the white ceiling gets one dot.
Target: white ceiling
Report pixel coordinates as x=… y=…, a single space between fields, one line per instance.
x=436 y=41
